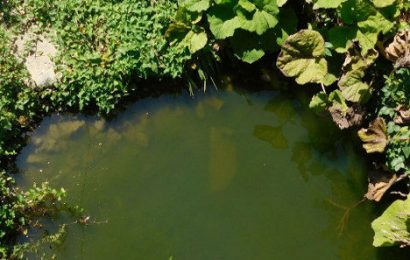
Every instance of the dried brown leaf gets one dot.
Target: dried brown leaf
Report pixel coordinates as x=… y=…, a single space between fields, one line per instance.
x=399 y=50
x=379 y=183
x=403 y=115
x=345 y=118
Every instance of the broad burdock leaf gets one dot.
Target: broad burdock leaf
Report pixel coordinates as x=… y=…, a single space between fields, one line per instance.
x=356 y=61
x=353 y=11
x=351 y=83
x=383 y=3
x=222 y=21
x=249 y=47
x=258 y=17
x=327 y=3
x=301 y=57
x=375 y=137
x=195 y=5
x=342 y=37
x=370 y=29
x=353 y=88
x=319 y=102
x=195 y=41
x=392 y=227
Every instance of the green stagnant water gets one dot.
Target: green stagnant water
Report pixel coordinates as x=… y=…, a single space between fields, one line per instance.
x=219 y=176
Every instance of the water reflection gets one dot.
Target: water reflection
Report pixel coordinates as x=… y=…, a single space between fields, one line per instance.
x=272 y=135
x=223 y=176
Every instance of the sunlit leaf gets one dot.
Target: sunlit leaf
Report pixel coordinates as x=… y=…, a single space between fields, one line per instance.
x=353 y=88
x=392 y=227
x=196 y=41
x=327 y=3
x=222 y=22
x=258 y=17
x=195 y=5
x=319 y=102
x=383 y=3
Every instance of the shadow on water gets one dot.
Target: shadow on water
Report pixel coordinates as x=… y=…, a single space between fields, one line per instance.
x=225 y=175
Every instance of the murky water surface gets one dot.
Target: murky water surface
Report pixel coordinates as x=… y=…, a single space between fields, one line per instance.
x=220 y=176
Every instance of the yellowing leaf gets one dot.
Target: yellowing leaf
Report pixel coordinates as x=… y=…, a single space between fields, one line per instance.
x=301 y=57
x=352 y=87
x=392 y=227
x=197 y=41
x=375 y=137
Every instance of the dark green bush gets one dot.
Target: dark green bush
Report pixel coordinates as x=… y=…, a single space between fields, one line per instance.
x=18 y=103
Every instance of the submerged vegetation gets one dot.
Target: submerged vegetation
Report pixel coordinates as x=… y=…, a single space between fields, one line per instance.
x=353 y=55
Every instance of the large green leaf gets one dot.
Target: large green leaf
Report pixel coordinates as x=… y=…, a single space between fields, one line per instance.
x=353 y=11
x=319 y=102
x=341 y=37
x=383 y=3
x=301 y=57
x=365 y=20
x=195 y=5
x=351 y=83
x=222 y=21
x=249 y=47
x=259 y=16
x=196 y=41
x=370 y=29
x=392 y=227
x=353 y=88
x=327 y=3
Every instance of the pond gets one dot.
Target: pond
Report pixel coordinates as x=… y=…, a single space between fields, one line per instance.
x=223 y=175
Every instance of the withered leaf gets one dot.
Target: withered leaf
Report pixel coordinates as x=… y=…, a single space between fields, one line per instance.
x=379 y=183
x=403 y=115
x=346 y=117
x=399 y=50
x=375 y=137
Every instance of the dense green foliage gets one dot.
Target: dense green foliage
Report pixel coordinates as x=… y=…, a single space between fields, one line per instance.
x=102 y=45
x=251 y=28
x=17 y=102
x=394 y=107
x=18 y=209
